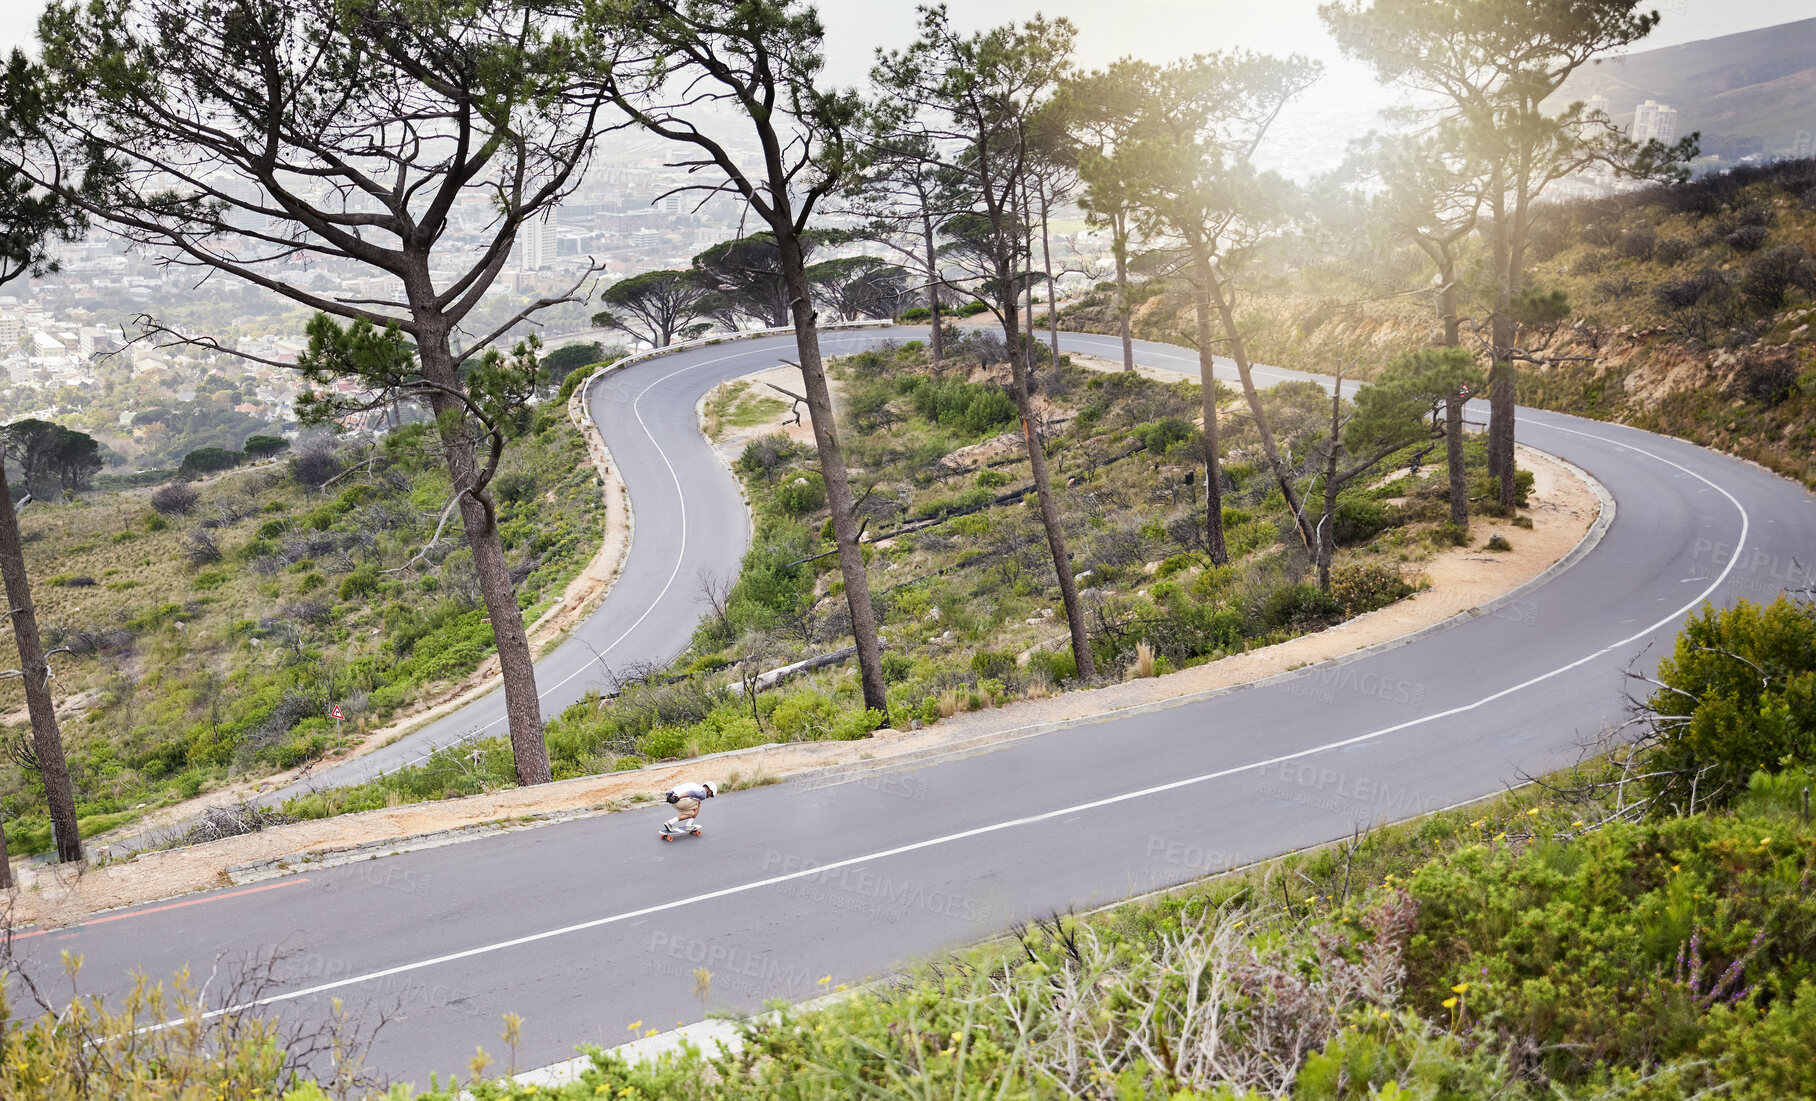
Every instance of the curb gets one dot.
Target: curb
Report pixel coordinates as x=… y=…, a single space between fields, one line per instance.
x=723 y=1032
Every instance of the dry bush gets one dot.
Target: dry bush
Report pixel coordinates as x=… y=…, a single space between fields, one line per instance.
x=178 y=499
x=201 y=548
x=1208 y=1005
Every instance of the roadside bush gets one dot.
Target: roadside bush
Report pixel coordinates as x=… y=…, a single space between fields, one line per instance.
x=1360 y=587
x=1737 y=696
x=764 y=454
x=1299 y=606
x=1359 y=519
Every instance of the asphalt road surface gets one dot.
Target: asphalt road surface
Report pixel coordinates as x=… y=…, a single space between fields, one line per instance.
x=588 y=926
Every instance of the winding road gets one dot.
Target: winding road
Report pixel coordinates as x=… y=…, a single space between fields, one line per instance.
x=588 y=926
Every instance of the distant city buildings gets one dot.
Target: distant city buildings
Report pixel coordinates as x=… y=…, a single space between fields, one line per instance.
x=1598 y=105
x=1654 y=121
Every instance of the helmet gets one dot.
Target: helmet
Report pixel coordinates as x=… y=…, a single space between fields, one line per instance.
x=711 y=786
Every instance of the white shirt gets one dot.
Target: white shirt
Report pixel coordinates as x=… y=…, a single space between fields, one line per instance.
x=691 y=791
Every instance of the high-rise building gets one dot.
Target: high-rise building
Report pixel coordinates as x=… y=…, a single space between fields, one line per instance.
x=671 y=204
x=1654 y=121
x=537 y=246
x=1597 y=104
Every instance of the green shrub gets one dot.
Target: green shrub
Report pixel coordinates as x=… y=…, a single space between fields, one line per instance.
x=1059 y=665
x=804 y=716
x=1173 y=564
x=363 y=581
x=1299 y=606
x=975 y=408
x=994 y=664
x=854 y=725
x=914 y=314
x=1165 y=434
x=1364 y=586
x=992 y=479
x=802 y=494
x=896 y=667
x=1359 y=519
x=1738 y=696
x=514 y=488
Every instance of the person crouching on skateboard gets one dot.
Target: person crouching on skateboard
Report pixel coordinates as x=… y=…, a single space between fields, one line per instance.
x=686 y=799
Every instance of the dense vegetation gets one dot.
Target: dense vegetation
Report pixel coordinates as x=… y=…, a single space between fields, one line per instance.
x=964 y=591
x=210 y=626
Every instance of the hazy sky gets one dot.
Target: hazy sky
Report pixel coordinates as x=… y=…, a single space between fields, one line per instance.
x=1161 y=30
x=1157 y=29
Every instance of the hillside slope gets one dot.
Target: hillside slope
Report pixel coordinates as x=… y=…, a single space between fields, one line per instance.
x=1747 y=93
x=1691 y=309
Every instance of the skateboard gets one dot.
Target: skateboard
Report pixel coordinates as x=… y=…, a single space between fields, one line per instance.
x=667 y=836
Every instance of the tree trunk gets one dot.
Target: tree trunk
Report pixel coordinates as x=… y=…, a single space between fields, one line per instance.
x=838 y=482
x=1239 y=353
x=1020 y=367
x=6 y=862
x=1453 y=459
x=516 y=665
x=936 y=344
x=1120 y=246
x=1453 y=403
x=47 y=741
x=1327 y=523
x=1500 y=389
x=1213 y=463
x=1503 y=395
x=1046 y=259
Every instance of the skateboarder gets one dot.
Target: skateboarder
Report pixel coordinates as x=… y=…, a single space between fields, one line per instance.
x=686 y=799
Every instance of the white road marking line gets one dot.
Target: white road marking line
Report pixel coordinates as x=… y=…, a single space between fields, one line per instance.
x=636 y=407
x=1076 y=809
